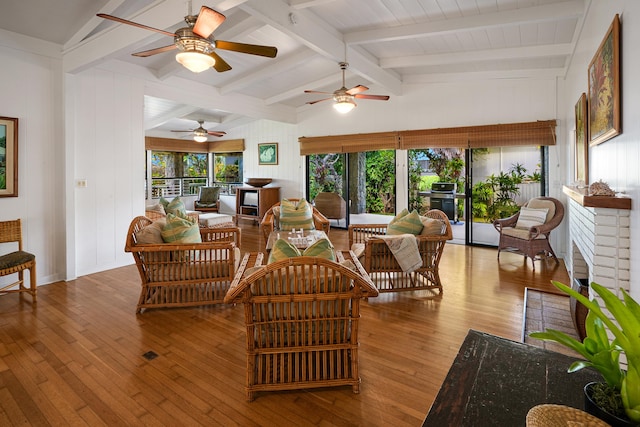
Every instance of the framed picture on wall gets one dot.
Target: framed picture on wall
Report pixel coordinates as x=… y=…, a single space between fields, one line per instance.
x=604 y=88
x=582 y=146
x=8 y=157
x=268 y=153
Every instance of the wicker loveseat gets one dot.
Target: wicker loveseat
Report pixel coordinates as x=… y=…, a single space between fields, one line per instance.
x=270 y=222
x=382 y=266
x=182 y=275
x=301 y=317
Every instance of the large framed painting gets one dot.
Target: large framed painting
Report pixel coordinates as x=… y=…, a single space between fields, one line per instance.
x=8 y=157
x=582 y=146
x=604 y=88
x=268 y=153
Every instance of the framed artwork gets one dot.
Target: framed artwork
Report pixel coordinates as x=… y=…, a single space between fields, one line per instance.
x=604 y=88
x=582 y=146
x=268 y=153
x=8 y=157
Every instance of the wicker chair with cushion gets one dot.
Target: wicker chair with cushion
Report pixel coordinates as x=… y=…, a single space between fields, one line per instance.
x=182 y=274
x=208 y=199
x=527 y=232
x=17 y=261
x=367 y=241
x=271 y=220
x=301 y=317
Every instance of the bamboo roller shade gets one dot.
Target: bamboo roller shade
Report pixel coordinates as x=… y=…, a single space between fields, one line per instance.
x=190 y=146
x=499 y=135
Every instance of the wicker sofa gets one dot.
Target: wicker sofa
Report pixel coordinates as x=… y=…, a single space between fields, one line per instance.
x=301 y=318
x=382 y=266
x=183 y=275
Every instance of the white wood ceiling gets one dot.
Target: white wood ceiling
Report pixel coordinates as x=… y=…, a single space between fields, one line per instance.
x=388 y=43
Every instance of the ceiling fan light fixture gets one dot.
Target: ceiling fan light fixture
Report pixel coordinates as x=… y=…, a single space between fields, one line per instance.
x=343 y=103
x=200 y=134
x=194 y=61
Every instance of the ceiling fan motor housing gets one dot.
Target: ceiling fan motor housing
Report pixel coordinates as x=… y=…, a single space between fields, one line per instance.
x=187 y=41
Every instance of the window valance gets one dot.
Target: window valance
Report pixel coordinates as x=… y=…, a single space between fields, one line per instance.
x=189 y=146
x=498 y=135
x=348 y=143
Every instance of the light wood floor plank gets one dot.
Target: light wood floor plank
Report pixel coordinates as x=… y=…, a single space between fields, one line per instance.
x=76 y=358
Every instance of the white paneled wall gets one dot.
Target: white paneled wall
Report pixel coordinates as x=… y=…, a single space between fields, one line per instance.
x=108 y=145
x=614 y=161
x=31 y=88
x=288 y=174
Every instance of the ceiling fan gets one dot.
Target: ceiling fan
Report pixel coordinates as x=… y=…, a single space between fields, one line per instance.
x=200 y=134
x=196 y=43
x=343 y=97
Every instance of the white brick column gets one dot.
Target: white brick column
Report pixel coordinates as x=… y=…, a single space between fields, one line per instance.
x=602 y=237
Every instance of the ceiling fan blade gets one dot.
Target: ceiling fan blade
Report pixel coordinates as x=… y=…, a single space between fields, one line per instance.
x=181 y=131
x=150 y=52
x=377 y=97
x=316 y=91
x=207 y=22
x=357 y=89
x=319 y=100
x=251 y=49
x=217 y=133
x=221 y=65
x=135 y=24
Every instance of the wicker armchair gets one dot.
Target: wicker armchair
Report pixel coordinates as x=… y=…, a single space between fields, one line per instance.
x=382 y=266
x=270 y=221
x=534 y=241
x=183 y=275
x=18 y=261
x=301 y=317
x=208 y=199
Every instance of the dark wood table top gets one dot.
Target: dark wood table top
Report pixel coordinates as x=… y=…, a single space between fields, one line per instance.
x=494 y=382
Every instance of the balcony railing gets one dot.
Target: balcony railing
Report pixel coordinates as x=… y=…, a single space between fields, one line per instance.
x=173 y=187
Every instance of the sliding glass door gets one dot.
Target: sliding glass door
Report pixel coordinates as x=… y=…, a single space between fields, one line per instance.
x=365 y=182
x=500 y=180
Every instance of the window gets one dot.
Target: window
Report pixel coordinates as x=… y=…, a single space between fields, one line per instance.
x=175 y=173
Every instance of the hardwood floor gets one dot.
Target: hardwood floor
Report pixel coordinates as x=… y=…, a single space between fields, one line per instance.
x=76 y=357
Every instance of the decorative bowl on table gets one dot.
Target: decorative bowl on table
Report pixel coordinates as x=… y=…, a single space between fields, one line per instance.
x=258 y=182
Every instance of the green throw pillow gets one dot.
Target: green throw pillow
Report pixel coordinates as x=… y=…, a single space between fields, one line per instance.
x=404 y=212
x=176 y=207
x=408 y=224
x=180 y=230
x=282 y=249
x=296 y=215
x=321 y=248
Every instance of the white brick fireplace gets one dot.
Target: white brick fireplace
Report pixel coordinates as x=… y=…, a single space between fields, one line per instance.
x=599 y=238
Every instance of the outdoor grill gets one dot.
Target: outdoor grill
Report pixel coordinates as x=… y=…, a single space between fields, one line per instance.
x=443 y=197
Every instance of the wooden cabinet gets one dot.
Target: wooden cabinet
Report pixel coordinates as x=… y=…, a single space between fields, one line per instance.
x=252 y=202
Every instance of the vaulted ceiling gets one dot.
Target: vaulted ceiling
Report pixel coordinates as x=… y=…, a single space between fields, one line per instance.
x=389 y=45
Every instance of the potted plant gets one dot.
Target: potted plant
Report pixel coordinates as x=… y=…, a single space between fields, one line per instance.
x=603 y=354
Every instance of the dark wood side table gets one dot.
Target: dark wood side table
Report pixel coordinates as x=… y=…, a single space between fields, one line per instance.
x=494 y=382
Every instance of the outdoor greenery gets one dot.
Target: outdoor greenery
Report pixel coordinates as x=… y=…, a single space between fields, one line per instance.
x=381 y=183
x=326 y=174
x=227 y=167
x=177 y=165
x=495 y=197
